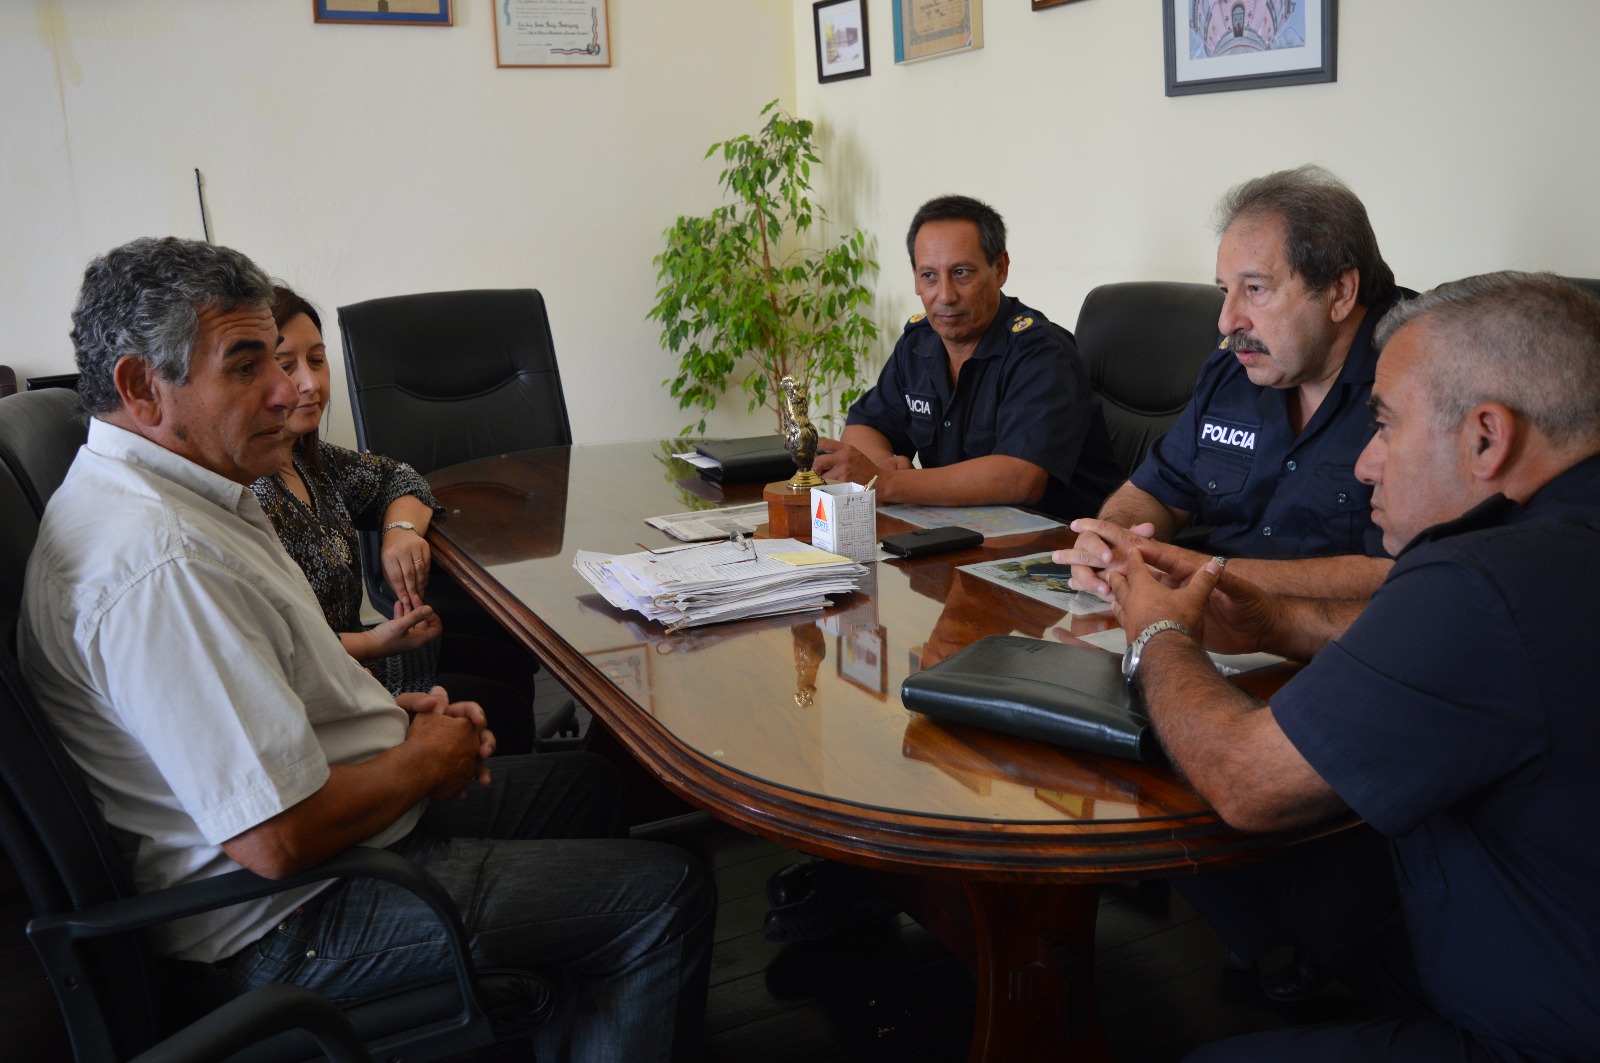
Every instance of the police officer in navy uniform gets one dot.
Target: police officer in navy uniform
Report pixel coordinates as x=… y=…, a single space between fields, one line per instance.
x=1453 y=711
x=1264 y=454
x=987 y=394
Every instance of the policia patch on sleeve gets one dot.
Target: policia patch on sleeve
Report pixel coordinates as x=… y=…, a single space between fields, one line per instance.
x=1021 y=323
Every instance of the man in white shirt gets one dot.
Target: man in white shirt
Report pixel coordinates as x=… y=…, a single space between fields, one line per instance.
x=185 y=662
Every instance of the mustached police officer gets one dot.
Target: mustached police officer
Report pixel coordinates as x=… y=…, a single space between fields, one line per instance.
x=1265 y=453
x=988 y=395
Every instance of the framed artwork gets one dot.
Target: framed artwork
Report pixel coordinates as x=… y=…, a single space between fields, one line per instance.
x=551 y=33
x=842 y=49
x=1223 y=45
x=924 y=29
x=1040 y=5
x=384 y=12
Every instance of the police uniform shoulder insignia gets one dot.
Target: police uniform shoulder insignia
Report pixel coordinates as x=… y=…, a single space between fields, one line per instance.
x=914 y=318
x=1224 y=343
x=1021 y=322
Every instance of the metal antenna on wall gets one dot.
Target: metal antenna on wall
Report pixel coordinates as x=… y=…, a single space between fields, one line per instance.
x=200 y=190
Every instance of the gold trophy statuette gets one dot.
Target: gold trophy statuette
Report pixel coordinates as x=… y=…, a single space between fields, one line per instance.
x=799 y=434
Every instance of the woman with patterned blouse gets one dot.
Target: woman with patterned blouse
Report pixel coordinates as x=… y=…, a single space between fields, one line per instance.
x=318 y=501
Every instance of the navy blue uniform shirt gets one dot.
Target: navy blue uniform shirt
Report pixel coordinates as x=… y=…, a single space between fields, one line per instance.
x=1023 y=393
x=1458 y=716
x=1233 y=460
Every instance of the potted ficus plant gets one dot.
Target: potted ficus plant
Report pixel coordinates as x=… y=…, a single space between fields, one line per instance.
x=744 y=296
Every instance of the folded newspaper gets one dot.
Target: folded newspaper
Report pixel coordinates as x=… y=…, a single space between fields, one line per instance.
x=713 y=582
x=723 y=523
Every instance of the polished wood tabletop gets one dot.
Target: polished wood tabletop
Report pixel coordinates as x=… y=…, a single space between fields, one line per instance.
x=792 y=727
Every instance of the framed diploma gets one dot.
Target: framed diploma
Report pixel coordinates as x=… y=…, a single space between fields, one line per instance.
x=927 y=28
x=384 y=12
x=551 y=33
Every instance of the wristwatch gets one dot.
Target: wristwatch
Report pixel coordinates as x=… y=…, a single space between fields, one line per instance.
x=406 y=524
x=1135 y=651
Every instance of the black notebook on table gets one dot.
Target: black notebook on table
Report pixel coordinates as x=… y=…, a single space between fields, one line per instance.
x=1064 y=694
x=753 y=458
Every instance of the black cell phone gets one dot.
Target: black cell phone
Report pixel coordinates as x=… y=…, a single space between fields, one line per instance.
x=926 y=541
x=1049 y=568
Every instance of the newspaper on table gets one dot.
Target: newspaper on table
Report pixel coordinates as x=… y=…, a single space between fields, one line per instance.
x=1016 y=573
x=690 y=586
x=706 y=524
x=985 y=520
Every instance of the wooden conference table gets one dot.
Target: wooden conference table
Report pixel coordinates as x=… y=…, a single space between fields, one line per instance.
x=792 y=728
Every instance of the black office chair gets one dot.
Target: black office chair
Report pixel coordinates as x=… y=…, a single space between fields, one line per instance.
x=1142 y=343
x=89 y=926
x=1590 y=283
x=40 y=433
x=440 y=378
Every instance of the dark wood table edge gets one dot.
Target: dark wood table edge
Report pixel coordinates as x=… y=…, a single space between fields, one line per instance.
x=1011 y=900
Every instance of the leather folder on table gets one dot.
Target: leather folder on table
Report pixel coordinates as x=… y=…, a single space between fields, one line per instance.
x=753 y=458
x=1064 y=694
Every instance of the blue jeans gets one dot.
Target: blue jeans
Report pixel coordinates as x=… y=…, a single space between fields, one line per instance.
x=543 y=880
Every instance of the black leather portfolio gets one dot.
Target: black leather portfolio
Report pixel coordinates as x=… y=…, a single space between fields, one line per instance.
x=754 y=458
x=1067 y=695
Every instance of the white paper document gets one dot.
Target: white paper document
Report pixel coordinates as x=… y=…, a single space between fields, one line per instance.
x=987 y=521
x=1116 y=640
x=707 y=584
x=1014 y=573
x=706 y=524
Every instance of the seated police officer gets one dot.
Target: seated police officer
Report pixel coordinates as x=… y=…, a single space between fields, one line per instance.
x=1263 y=454
x=1454 y=711
x=987 y=394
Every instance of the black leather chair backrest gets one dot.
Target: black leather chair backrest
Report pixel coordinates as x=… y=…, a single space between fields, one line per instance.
x=440 y=378
x=1591 y=283
x=50 y=825
x=1142 y=343
x=19 y=528
x=40 y=433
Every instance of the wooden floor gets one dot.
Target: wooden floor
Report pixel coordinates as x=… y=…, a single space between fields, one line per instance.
x=889 y=993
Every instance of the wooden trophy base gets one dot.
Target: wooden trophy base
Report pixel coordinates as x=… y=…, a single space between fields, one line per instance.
x=788 y=512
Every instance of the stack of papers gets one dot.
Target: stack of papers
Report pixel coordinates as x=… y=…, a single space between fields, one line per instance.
x=706 y=524
x=695 y=585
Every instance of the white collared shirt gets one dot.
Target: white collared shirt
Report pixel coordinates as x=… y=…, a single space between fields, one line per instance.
x=188 y=669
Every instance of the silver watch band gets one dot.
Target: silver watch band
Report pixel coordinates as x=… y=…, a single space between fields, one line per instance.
x=1135 y=651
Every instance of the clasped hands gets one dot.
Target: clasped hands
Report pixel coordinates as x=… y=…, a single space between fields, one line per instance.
x=1147 y=581
x=458 y=736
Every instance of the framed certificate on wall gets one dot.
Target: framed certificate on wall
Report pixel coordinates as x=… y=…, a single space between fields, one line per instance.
x=384 y=12
x=551 y=33
x=924 y=29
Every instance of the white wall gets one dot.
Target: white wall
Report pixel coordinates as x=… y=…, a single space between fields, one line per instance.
x=359 y=161
x=1467 y=127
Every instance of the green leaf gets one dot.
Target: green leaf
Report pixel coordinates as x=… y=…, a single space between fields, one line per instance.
x=741 y=301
